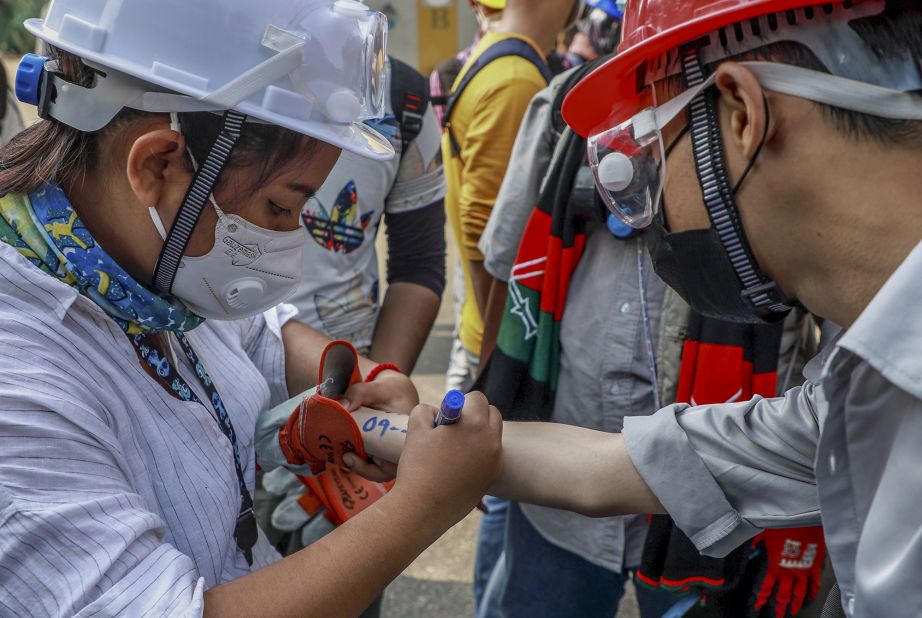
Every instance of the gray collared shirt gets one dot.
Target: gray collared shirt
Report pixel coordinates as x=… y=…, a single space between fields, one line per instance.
x=604 y=376
x=844 y=450
x=604 y=373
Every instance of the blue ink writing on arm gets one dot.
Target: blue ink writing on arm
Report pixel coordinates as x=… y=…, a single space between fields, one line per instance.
x=374 y=423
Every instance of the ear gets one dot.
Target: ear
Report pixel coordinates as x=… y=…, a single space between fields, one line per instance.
x=158 y=168
x=743 y=97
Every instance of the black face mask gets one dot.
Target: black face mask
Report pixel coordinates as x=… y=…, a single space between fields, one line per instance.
x=696 y=266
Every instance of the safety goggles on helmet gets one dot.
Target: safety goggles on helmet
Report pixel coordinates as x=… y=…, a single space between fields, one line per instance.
x=629 y=161
x=316 y=67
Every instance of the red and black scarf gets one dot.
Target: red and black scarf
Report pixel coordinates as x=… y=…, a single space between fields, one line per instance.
x=521 y=375
x=722 y=362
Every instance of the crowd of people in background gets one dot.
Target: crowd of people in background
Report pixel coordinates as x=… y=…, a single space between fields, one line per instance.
x=568 y=311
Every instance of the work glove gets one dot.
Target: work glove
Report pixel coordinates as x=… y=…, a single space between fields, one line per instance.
x=794 y=561
x=320 y=430
x=343 y=493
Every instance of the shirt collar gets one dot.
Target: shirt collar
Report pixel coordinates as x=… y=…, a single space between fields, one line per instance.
x=888 y=333
x=21 y=276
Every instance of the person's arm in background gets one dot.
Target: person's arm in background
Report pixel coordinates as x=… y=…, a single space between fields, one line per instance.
x=517 y=198
x=415 y=224
x=486 y=150
x=416 y=280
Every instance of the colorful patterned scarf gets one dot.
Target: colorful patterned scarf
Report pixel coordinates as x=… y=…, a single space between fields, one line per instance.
x=45 y=229
x=520 y=377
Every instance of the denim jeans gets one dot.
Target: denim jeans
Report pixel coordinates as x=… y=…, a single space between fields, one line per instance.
x=489 y=566
x=546 y=581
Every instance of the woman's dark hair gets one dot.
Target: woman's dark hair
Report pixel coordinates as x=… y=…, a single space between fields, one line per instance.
x=50 y=151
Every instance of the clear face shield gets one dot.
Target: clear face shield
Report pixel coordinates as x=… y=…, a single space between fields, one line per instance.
x=628 y=161
x=343 y=66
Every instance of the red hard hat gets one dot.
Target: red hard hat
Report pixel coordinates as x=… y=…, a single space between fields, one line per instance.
x=611 y=93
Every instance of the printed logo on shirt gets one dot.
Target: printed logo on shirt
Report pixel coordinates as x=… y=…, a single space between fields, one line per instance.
x=341 y=230
x=351 y=316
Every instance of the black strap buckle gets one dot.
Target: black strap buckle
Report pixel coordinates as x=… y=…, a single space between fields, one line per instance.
x=413 y=121
x=765 y=288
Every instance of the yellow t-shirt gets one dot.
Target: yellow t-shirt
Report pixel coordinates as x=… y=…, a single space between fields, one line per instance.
x=485 y=123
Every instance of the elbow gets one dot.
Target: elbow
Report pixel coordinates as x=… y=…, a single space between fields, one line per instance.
x=595 y=506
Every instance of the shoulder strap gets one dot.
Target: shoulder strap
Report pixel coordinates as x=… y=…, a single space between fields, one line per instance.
x=409 y=99
x=572 y=79
x=500 y=49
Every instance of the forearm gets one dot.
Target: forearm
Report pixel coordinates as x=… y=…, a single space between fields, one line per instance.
x=572 y=468
x=492 y=318
x=341 y=574
x=406 y=318
x=481 y=281
x=549 y=464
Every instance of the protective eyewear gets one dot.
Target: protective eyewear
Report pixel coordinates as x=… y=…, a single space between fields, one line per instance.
x=628 y=161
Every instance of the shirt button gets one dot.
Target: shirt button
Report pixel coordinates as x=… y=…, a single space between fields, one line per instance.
x=625 y=308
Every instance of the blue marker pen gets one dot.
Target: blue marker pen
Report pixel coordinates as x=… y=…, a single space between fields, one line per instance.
x=450 y=412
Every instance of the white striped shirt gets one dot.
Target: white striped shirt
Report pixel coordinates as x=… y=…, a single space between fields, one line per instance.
x=115 y=497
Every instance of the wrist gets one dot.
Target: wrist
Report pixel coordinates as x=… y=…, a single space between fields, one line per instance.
x=383 y=370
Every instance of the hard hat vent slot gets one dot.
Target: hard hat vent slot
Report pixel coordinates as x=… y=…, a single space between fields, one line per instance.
x=773 y=21
x=177 y=75
x=82 y=33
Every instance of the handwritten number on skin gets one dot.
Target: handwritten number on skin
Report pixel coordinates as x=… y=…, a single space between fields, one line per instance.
x=375 y=423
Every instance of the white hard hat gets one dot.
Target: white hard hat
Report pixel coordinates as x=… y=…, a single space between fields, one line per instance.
x=313 y=66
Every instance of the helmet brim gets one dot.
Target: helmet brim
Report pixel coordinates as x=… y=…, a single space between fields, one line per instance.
x=355 y=137
x=612 y=93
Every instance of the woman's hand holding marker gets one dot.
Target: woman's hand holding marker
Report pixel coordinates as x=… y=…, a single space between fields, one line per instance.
x=470 y=454
x=450 y=412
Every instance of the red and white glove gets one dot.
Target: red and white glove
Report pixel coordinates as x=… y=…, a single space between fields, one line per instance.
x=321 y=431
x=343 y=493
x=792 y=574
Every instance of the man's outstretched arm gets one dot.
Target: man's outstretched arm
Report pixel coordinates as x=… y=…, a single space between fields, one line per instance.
x=554 y=465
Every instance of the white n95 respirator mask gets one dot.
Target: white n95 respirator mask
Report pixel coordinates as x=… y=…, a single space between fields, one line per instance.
x=248 y=270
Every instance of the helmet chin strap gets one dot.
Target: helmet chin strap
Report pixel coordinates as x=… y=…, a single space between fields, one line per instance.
x=199 y=193
x=759 y=290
